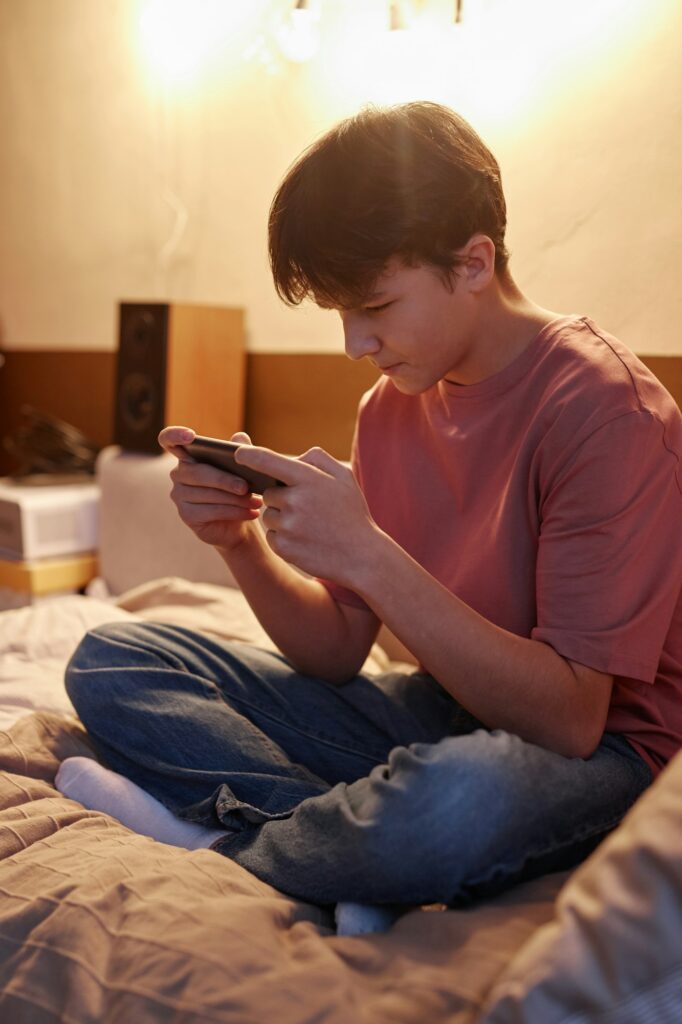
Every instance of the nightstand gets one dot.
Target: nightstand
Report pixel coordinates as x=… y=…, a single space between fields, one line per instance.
x=23 y=583
x=48 y=537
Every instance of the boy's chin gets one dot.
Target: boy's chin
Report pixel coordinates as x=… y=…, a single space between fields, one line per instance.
x=410 y=385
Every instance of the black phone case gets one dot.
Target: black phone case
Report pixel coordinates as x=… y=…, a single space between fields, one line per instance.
x=221 y=455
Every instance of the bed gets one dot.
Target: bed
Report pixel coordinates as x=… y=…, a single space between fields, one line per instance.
x=99 y=924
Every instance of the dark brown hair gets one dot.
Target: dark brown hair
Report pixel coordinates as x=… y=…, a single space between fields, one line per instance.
x=413 y=181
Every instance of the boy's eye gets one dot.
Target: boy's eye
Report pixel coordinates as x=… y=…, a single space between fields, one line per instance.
x=377 y=309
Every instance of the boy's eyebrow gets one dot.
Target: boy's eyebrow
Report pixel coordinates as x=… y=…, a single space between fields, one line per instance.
x=323 y=304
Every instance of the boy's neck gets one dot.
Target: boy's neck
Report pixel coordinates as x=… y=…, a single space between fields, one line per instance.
x=507 y=323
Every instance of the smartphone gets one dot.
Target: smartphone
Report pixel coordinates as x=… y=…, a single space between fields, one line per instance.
x=221 y=454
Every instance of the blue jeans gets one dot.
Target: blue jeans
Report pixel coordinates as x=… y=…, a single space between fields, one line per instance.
x=384 y=790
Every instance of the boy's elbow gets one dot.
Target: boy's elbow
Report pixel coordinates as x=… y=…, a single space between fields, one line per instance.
x=332 y=670
x=585 y=746
x=590 y=708
x=583 y=740
x=580 y=740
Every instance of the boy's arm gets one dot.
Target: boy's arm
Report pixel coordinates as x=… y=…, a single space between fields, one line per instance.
x=507 y=681
x=318 y=635
x=321 y=523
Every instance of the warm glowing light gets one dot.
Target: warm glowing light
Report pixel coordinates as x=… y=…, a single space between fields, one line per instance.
x=396 y=16
x=298 y=34
x=501 y=59
x=181 y=38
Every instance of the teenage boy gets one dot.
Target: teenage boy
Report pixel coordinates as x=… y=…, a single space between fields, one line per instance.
x=513 y=515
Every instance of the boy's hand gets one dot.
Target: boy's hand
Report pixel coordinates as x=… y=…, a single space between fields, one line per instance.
x=216 y=505
x=320 y=521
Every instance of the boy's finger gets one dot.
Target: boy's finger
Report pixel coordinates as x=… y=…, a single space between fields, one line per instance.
x=174 y=439
x=281 y=467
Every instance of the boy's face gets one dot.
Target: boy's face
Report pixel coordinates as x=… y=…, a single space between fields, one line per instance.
x=417 y=328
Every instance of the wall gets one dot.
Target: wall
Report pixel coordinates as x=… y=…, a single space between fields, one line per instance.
x=139 y=156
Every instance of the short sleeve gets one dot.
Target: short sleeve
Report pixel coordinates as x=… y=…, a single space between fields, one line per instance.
x=609 y=565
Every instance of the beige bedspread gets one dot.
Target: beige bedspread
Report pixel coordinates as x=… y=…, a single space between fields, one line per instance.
x=98 y=924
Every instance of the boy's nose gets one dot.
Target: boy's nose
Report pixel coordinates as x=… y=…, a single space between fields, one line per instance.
x=359 y=339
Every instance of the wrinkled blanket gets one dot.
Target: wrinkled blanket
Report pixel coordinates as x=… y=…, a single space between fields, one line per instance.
x=99 y=924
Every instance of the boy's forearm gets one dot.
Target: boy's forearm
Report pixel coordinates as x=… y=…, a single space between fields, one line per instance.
x=507 y=681
x=297 y=613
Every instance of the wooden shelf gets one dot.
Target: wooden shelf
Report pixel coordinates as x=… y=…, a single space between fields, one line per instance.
x=49 y=575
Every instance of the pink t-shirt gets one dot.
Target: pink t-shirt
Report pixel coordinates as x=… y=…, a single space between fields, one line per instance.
x=548 y=498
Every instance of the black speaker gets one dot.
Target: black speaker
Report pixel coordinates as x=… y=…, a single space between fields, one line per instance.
x=178 y=364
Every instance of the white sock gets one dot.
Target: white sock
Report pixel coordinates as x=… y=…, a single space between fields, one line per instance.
x=99 y=789
x=364 y=918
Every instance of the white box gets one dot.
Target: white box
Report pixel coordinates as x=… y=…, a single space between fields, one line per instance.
x=44 y=521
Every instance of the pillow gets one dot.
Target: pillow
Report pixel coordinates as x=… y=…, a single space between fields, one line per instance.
x=35 y=644
x=613 y=952
x=141 y=536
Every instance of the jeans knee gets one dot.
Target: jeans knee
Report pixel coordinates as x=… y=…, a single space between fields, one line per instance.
x=463 y=773
x=429 y=796
x=83 y=678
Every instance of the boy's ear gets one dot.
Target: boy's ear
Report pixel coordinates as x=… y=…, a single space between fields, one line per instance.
x=479 y=269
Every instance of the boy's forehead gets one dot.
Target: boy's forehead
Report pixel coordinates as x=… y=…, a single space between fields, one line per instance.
x=329 y=301
x=396 y=273
x=376 y=288
x=325 y=302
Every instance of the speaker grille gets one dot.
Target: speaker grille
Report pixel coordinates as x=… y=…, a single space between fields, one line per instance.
x=141 y=375
x=138 y=398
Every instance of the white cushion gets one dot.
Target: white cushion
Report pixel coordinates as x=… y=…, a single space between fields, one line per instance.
x=141 y=536
x=613 y=953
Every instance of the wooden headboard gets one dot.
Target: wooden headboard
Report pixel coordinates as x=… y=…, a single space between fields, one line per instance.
x=668 y=369
x=293 y=401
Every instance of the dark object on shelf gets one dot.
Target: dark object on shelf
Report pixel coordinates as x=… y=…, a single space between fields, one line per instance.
x=50 y=451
